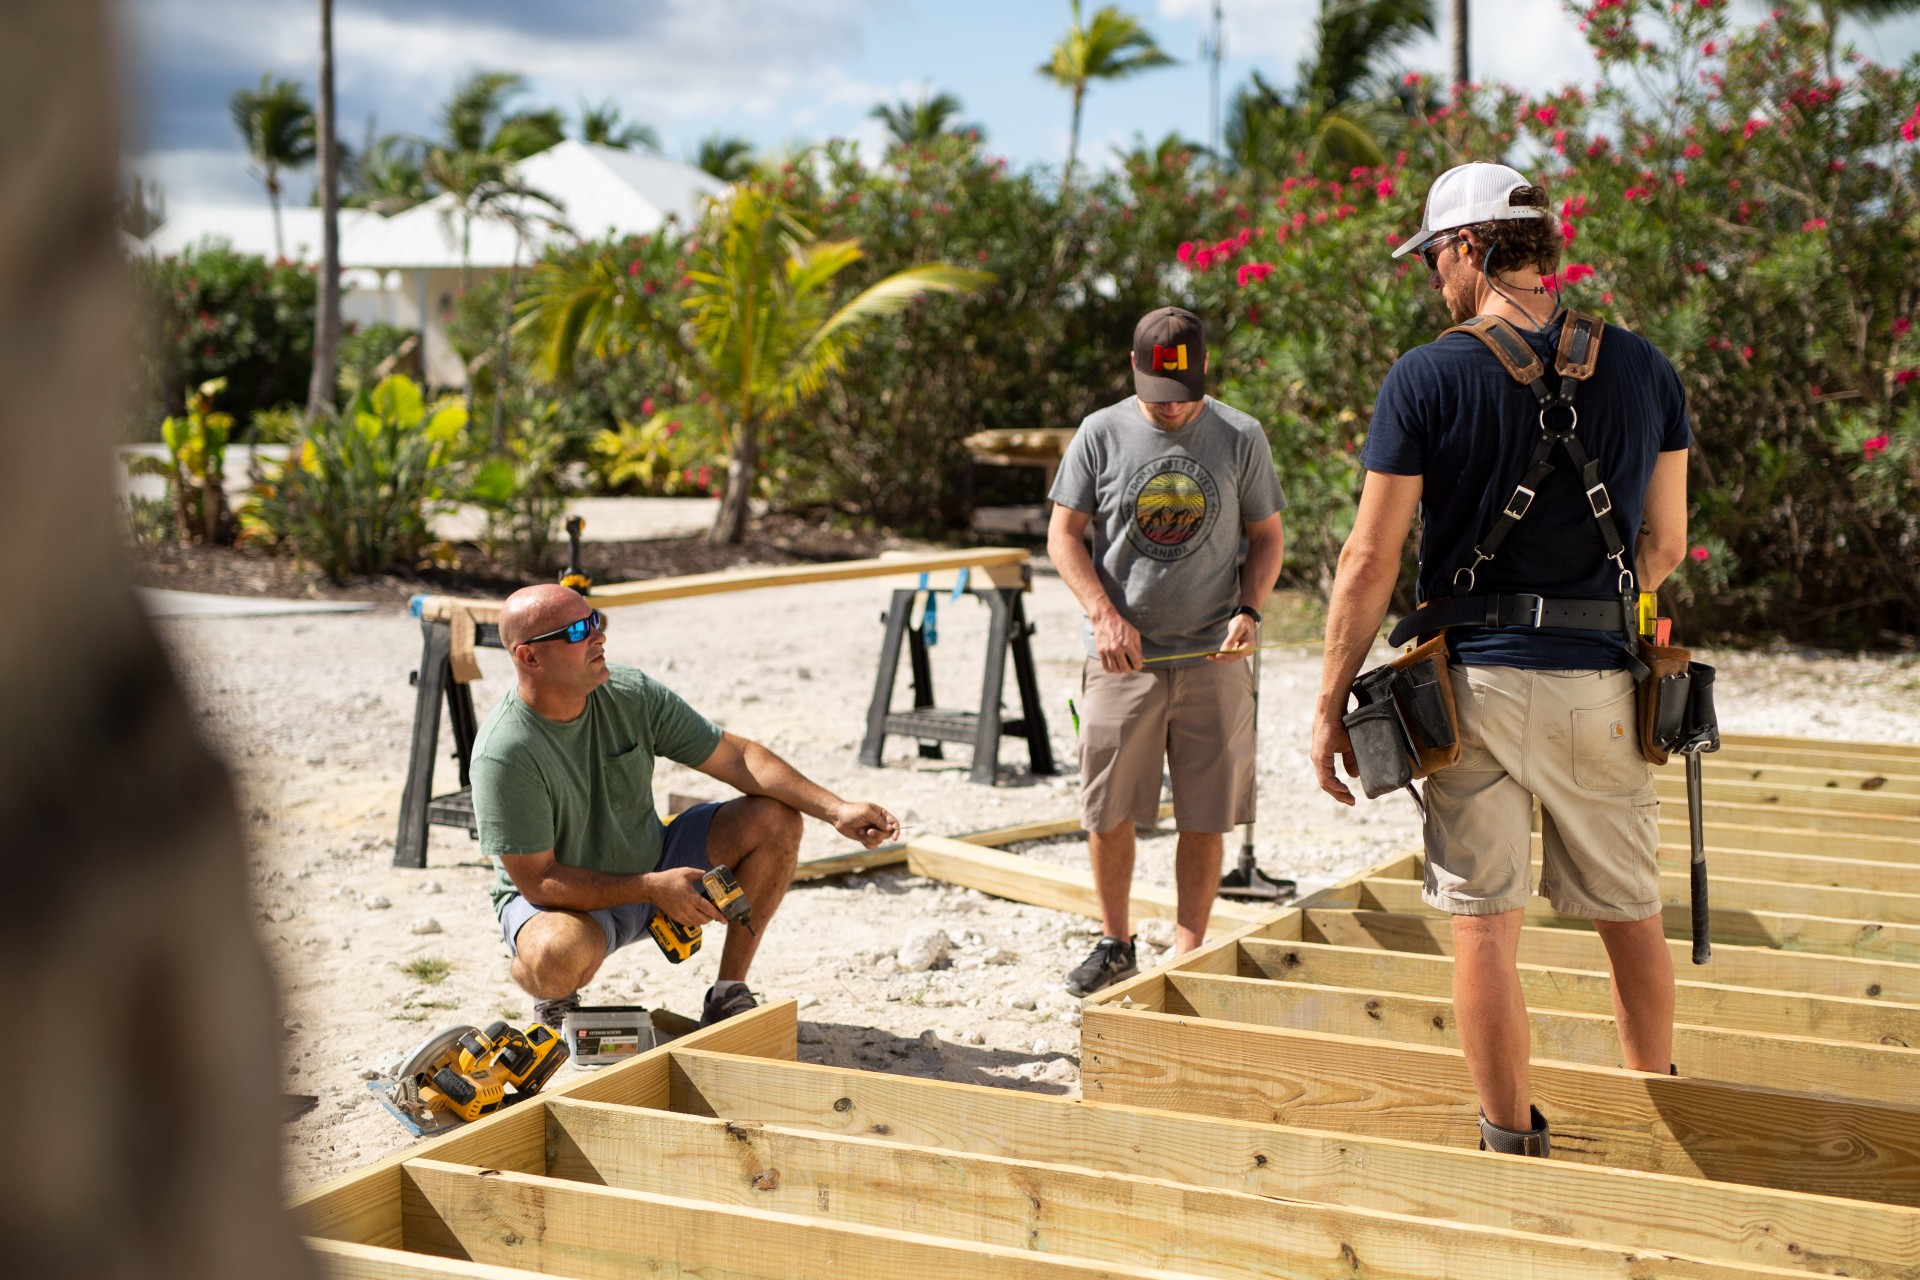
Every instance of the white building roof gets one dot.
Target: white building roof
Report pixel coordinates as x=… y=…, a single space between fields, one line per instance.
x=249 y=229
x=600 y=192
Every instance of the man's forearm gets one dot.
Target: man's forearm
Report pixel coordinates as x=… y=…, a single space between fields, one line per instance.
x=759 y=772
x=1361 y=592
x=1262 y=570
x=1074 y=563
x=567 y=888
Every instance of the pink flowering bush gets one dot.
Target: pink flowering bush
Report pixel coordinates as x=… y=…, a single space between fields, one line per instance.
x=1762 y=226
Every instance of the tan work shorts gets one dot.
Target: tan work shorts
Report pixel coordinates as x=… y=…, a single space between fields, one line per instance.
x=1198 y=718
x=1570 y=738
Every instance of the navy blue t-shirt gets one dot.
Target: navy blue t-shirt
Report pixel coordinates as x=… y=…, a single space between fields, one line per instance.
x=1449 y=412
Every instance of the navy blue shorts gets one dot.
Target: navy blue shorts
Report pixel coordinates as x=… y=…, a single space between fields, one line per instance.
x=686 y=846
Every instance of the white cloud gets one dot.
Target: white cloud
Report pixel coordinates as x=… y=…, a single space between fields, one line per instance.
x=199 y=175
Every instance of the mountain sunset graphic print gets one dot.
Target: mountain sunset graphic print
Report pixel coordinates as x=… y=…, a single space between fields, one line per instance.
x=1171 y=503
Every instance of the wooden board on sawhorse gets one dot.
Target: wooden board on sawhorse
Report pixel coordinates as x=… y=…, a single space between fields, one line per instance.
x=452 y=628
x=1007 y=635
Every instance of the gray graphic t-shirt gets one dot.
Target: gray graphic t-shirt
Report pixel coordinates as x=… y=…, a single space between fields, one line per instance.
x=1167 y=510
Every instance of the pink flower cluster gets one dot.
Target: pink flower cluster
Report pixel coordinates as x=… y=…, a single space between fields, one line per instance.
x=1201 y=257
x=1875 y=447
x=1905 y=376
x=1910 y=129
x=1572 y=273
x=1814 y=224
x=1251 y=272
x=1700 y=555
x=1902 y=327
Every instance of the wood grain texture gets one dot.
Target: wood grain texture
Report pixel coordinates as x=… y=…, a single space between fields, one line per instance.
x=1752 y=1225
x=1861 y=775
x=1735 y=926
x=1706 y=1004
x=1044 y=884
x=600 y=1233
x=341 y=1261
x=895 y=854
x=1744 y=745
x=1600 y=1115
x=363 y=1207
x=1574 y=948
x=1055 y=1209
x=1837 y=1068
x=1876 y=802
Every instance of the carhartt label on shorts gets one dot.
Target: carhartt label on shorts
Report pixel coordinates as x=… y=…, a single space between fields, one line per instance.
x=1617 y=730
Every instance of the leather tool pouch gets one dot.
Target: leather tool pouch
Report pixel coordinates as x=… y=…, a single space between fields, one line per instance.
x=1664 y=698
x=1406 y=725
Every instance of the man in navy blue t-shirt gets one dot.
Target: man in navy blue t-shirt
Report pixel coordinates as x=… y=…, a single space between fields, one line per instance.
x=1545 y=711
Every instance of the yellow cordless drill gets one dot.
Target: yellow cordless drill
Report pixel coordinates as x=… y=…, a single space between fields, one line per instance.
x=718 y=887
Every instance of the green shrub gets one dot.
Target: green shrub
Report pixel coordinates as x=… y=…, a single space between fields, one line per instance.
x=672 y=454
x=363 y=350
x=213 y=313
x=195 y=465
x=524 y=492
x=360 y=488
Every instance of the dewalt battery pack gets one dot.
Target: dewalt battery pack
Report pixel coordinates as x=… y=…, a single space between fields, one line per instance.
x=601 y=1036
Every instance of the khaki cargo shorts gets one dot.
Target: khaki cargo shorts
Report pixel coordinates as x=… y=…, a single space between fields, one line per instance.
x=1570 y=738
x=1198 y=718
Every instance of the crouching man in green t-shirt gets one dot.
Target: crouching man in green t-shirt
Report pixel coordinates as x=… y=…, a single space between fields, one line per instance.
x=563 y=790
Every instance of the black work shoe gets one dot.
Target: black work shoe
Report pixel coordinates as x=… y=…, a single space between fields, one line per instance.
x=724 y=1000
x=551 y=1013
x=1537 y=1141
x=1112 y=961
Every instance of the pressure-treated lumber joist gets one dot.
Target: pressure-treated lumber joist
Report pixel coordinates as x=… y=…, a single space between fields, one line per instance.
x=1045 y=884
x=600 y=1233
x=1840 y=1068
x=1697 y=1002
x=339 y=1260
x=1751 y=831
x=1730 y=1222
x=1877 y=803
x=1786 y=817
x=364 y=1206
x=1051 y=1209
x=1742 y=744
x=894 y=854
x=1863 y=777
x=1734 y=889
x=1791 y=868
x=1577 y=948
x=1736 y=926
x=1602 y=1115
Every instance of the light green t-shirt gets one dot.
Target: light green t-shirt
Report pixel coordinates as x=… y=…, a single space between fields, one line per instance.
x=584 y=788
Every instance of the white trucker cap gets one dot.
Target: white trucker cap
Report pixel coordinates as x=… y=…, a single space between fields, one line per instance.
x=1470 y=193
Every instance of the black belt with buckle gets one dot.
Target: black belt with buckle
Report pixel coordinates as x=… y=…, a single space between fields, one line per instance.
x=1519 y=610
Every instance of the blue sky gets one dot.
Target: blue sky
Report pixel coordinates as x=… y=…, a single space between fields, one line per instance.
x=775 y=71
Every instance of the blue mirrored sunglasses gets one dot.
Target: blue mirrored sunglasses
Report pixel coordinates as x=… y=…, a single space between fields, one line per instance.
x=576 y=631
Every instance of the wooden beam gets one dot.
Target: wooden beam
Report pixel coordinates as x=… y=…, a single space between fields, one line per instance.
x=363 y=1207
x=1861 y=777
x=1663 y=1124
x=600 y=1233
x=889 y=855
x=1053 y=1209
x=1045 y=884
x=1838 y=1068
x=1745 y=743
x=1878 y=806
x=1787 y=817
x=1755 y=833
x=1730 y=888
x=1761 y=967
x=1706 y=1004
x=1736 y=926
x=1737 y=1223
x=1791 y=868
x=338 y=1260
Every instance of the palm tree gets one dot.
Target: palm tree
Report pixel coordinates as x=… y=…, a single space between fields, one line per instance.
x=725 y=156
x=602 y=126
x=276 y=122
x=474 y=160
x=321 y=388
x=1111 y=47
x=1831 y=11
x=756 y=329
x=923 y=119
x=1457 y=40
x=1344 y=106
x=387 y=174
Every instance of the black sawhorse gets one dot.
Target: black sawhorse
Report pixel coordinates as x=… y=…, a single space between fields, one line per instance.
x=1007 y=634
x=419 y=807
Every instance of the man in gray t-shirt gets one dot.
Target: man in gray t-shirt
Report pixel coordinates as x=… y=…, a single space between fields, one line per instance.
x=1169 y=481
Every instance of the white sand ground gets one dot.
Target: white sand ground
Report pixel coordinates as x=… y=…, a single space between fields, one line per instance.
x=315 y=712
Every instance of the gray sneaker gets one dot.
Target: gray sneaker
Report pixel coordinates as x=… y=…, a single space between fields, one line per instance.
x=726 y=999
x=551 y=1013
x=1112 y=961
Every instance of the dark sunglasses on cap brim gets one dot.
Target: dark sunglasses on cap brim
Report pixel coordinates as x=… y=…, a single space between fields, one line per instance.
x=576 y=631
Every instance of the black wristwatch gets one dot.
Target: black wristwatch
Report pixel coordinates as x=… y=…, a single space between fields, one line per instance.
x=1249 y=611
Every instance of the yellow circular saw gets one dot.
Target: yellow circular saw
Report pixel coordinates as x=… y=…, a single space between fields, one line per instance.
x=461 y=1073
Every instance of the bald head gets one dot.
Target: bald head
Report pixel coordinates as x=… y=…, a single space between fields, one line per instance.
x=534 y=611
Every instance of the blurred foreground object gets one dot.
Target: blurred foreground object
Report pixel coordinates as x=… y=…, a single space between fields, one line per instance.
x=149 y=1145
